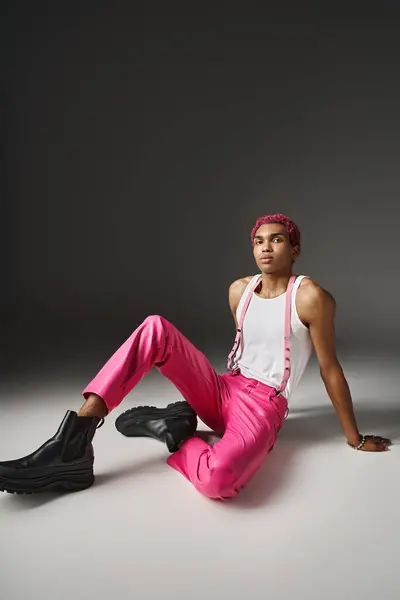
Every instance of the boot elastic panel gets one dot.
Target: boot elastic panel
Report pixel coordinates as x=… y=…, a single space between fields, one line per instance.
x=64 y=461
x=178 y=431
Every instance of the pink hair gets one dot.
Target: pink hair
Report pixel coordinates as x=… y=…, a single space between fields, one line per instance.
x=291 y=227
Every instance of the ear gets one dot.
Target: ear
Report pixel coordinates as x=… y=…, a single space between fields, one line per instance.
x=295 y=253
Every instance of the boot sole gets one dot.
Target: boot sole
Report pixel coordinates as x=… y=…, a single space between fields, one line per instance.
x=140 y=414
x=72 y=481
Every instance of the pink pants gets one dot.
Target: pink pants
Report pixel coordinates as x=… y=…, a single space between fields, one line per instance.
x=248 y=413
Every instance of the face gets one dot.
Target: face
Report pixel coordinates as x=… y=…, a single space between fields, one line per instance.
x=272 y=249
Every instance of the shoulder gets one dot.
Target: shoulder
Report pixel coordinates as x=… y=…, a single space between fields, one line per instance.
x=313 y=301
x=236 y=290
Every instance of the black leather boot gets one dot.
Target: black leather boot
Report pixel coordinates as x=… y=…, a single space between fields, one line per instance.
x=172 y=425
x=65 y=461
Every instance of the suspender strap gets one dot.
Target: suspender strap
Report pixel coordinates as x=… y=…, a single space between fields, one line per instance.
x=287 y=337
x=239 y=337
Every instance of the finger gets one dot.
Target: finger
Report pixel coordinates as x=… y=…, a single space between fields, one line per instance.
x=385 y=441
x=381 y=440
x=375 y=447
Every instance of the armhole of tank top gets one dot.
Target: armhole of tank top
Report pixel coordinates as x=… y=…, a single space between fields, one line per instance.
x=244 y=296
x=294 y=308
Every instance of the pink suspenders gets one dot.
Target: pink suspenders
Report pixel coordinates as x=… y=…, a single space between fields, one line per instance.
x=288 y=313
x=238 y=338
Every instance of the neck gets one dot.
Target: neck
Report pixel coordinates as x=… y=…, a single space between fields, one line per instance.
x=274 y=284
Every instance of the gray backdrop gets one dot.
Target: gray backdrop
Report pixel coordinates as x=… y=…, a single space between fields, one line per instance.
x=143 y=144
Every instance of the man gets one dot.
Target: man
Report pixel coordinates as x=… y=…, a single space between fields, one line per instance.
x=279 y=319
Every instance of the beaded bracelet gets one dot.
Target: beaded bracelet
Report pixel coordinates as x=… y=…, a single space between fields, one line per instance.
x=360 y=445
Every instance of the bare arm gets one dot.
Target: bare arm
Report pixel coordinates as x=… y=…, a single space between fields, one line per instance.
x=236 y=291
x=317 y=308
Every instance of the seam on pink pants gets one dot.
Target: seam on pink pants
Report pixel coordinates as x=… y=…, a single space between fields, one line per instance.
x=156 y=342
x=177 y=351
x=252 y=420
x=227 y=403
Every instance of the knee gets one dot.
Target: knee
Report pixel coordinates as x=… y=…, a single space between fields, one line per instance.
x=156 y=323
x=220 y=483
x=154 y=320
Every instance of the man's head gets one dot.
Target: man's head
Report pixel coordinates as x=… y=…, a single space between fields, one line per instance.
x=276 y=243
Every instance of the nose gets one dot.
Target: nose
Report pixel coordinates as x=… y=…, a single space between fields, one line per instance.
x=266 y=247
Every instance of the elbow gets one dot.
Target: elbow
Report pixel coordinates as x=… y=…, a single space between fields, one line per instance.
x=330 y=371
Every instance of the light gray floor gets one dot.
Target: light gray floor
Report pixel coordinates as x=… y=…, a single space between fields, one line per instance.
x=319 y=521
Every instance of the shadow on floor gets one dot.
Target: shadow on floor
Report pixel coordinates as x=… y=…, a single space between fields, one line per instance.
x=314 y=425
x=304 y=428
x=29 y=501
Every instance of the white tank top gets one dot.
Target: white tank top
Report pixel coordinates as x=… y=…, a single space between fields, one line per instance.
x=262 y=356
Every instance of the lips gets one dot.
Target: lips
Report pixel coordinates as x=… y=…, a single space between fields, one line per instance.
x=266 y=258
